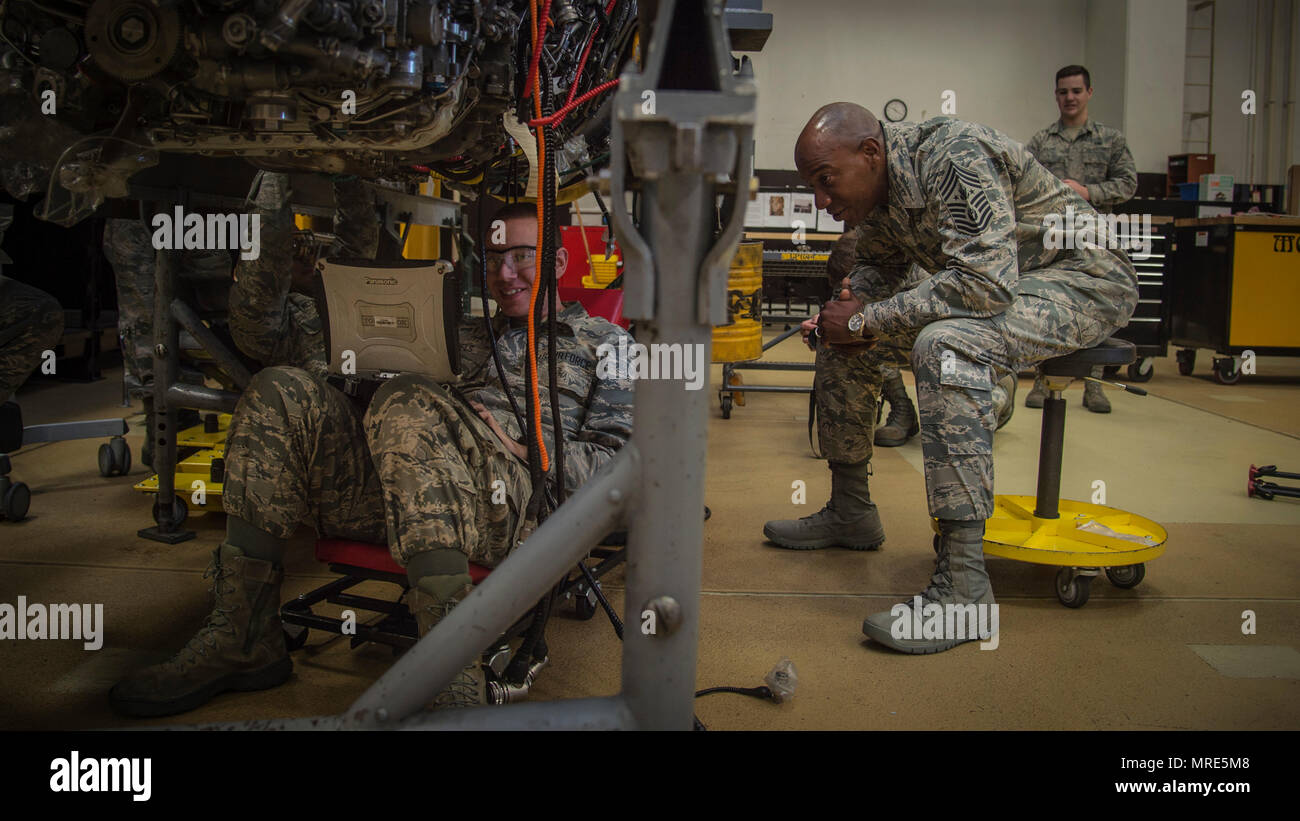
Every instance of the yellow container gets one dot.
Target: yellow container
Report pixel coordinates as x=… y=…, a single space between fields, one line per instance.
x=603 y=270
x=743 y=339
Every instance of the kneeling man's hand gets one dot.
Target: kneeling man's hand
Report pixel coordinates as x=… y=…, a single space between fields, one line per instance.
x=834 y=322
x=511 y=445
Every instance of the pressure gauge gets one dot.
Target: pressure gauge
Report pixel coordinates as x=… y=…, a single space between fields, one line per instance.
x=895 y=110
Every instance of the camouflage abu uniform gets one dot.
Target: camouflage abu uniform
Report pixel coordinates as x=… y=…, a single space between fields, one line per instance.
x=1098 y=157
x=268 y=319
x=1092 y=154
x=847 y=384
x=418 y=466
x=970 y=204
x=31 y=321
x=128 y=246
x=420 y=458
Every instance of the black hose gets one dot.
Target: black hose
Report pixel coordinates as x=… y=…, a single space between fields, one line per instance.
x=607 y=222
x=762 y=691
x=546 y=269
x=487 y=318
x=548 y=215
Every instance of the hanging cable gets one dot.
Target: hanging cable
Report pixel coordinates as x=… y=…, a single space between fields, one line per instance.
x=558 y=117
x=538 y=457
x=487 y=318
x=582 y=61
x=553 y=298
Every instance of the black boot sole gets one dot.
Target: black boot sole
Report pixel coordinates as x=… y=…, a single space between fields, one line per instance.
x=265 y=678
x=818 y=544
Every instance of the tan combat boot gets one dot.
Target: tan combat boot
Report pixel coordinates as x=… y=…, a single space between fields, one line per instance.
x=1038 y=394
x=429 y=601
x=240 y=647
x=849 y=519
x=902 y=423
x=1094 y=398
x=958 y=589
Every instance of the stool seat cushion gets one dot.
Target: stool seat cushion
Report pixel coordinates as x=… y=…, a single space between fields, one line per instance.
x=373 y=557
x=1080 y=363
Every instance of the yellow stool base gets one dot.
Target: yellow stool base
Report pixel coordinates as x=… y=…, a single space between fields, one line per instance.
x=195 y=437
x=1014 y=532
x=197 y=465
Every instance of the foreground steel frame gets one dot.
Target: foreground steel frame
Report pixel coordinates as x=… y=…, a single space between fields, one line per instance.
x=686 y=142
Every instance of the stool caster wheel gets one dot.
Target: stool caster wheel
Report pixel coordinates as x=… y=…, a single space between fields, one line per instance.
x=1128 y=577
x=114 y=457
x=295 y=636
x=16 y=499
x=1141 y=370
x=1072 y=589
x=180 y=512
x=726 y=406
x=1226 y=371
x=1186 y=362
x=584 y=603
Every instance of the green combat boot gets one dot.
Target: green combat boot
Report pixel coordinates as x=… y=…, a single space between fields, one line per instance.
x=1094 y=398
x=849 y=519
x=902 y=423
x=959 y=579
x=1037 y=395
x=240 y=647
x=429 y=601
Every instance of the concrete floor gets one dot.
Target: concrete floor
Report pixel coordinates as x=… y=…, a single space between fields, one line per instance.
x=1168 y=654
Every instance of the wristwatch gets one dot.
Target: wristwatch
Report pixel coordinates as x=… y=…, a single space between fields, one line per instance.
x=856 y=322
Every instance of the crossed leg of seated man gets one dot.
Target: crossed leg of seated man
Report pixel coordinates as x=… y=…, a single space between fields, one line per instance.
x=957 y=364
x=417 y=469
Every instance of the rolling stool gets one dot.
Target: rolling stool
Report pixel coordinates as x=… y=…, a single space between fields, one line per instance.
x=15 y=498
x=512 y=670
x=1078 y=537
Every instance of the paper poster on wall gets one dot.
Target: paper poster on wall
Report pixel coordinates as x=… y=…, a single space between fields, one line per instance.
x=754 y=211
x=828 y=225
x=803 y=210
x=777 y=214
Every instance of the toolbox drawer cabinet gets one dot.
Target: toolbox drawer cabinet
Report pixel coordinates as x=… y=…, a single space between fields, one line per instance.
x=1235 y=286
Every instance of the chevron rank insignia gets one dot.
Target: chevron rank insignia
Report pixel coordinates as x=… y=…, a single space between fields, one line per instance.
x=962 y=193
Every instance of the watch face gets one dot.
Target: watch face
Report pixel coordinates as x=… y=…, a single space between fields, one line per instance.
x=855 y=322
x=895 y=110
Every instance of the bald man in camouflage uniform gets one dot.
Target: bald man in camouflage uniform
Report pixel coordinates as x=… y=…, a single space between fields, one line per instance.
x=848 y=385
x=418 y=467
x=971 y=205
x=1094 y=160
